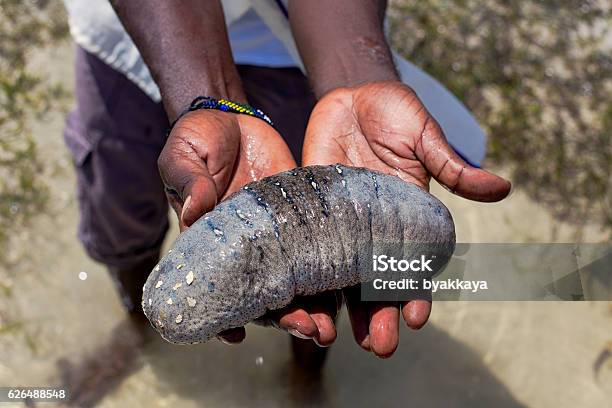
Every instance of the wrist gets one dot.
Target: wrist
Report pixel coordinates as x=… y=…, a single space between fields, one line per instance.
x=178 y=93
x=342 y=42
x=185 y=47
x=353 y=80
x=361 y=62
x=223 y=105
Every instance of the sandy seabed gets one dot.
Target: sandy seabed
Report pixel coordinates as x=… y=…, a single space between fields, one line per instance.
x=477 y=354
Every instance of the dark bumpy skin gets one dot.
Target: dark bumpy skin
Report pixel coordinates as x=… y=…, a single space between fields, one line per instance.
x=300 y=232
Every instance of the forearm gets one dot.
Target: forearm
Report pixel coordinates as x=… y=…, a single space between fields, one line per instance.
x=341 y=42
x=185 y=46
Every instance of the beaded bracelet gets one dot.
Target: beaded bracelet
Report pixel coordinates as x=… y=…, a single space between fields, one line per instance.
x=206 y=102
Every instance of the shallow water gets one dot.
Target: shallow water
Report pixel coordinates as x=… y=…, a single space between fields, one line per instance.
x=542 y=354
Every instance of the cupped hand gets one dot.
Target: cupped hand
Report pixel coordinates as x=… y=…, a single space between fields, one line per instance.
x=209 y=155
x=384 y=126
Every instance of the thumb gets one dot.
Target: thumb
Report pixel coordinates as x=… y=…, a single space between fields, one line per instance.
x=448 y=168
x=197 y=161
x=190 y=189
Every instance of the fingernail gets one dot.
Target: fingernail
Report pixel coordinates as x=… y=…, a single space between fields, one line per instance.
x=185 y=208
x=224 y=341
x=319 y=344
x=511 y=188
x=296 y=333
x=365 y=343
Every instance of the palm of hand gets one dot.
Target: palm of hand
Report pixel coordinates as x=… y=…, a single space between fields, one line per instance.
x=378 y=126
x=384 y=126
x=211 y=154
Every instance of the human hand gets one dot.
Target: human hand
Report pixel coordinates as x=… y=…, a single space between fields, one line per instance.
x=210 y=154
x=384 y=126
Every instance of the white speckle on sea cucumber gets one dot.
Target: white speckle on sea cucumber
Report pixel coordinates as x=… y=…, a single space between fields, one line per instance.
x=169 y=301
x=191 y=301
x=179 y=266
x=178 y=285
x=179 y=319
x=343 y=183
x=158 y=284
x=338 y=169
x=314 y=185
x=156 y=268
x=150 y=301
x=189 y=278
x=218 y=232
x=160 y=323
x=284 y=192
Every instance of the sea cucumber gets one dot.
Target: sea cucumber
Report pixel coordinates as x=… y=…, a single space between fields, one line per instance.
x=301 y=232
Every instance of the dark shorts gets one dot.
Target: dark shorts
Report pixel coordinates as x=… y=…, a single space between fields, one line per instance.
x=116 y=133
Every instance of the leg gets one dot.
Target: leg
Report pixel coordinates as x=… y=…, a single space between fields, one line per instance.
x=115 y=134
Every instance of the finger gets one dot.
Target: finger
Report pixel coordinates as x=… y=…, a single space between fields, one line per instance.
x=323 y=309
x=416 y=313
x=297 y=322
x=384 y=329
x=232 y=336
x=452 y=171
x=326 y=329
x=359 y=317
x=191 y=190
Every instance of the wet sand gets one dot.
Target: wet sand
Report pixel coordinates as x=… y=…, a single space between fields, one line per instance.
x=480 y=354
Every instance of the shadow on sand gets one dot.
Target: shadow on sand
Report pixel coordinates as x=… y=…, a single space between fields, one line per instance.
x=430 y=369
